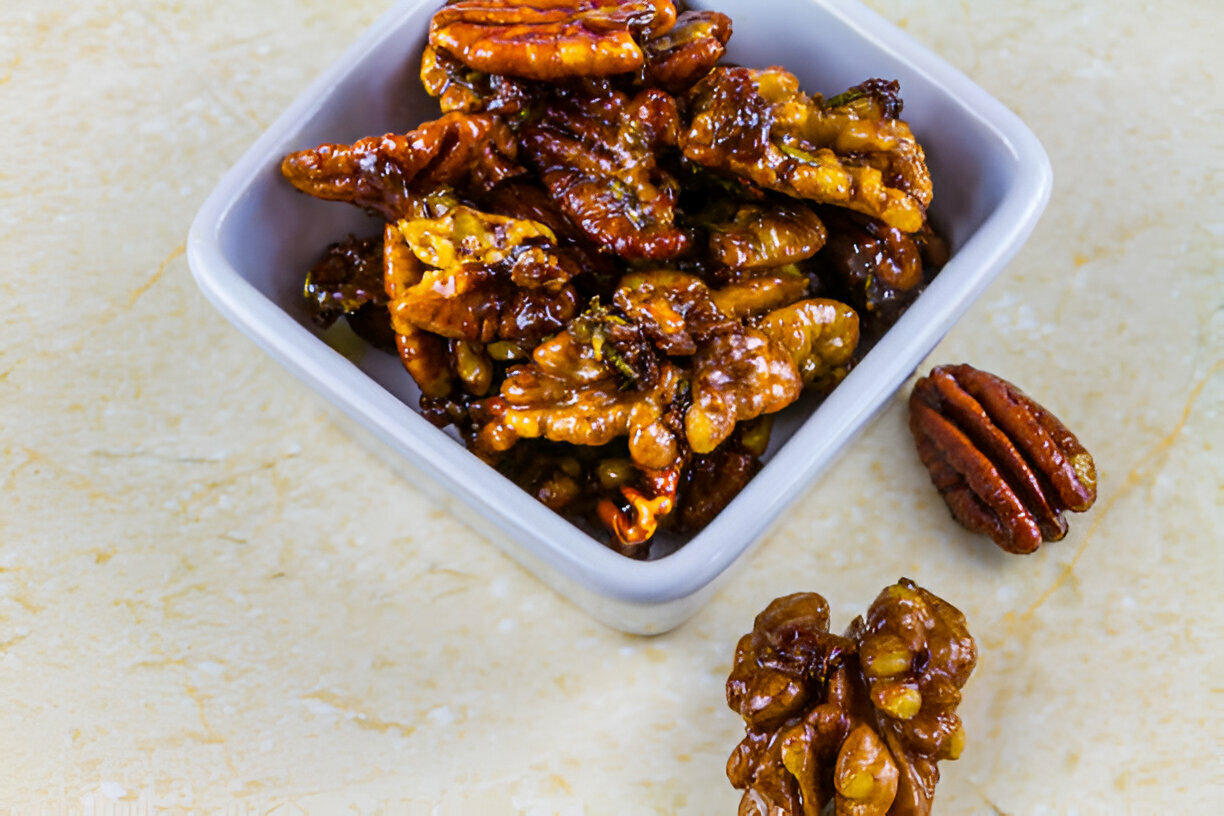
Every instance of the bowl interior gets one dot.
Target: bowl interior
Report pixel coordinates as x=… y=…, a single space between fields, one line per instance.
x=267 y=234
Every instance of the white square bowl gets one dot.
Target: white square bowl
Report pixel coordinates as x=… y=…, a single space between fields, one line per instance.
x=255 y=236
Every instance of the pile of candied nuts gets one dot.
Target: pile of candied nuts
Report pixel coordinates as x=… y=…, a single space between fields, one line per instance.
x=612 y=259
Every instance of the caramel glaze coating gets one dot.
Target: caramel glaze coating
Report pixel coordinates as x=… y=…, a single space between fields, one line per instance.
x=390 y=174
x=549 y=40
x=712 y=480
x=460 y=88
x=859 y=721
x=1005 y=465
x=347 y=280
x=820 y=335
x=534 y=404
x=738 y=375
x=682 y=55
x=758 y=125
x=767 y=235
x=597 y=155
x=347 y=277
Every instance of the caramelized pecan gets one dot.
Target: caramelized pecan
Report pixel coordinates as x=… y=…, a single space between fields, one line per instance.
x=549 y=39
x=1006 y=466
x=598 y=157
x=393 y=174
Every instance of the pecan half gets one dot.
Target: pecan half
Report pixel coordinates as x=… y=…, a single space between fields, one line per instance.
x=598 y=157
x=549 y=39
x=393 y=174
x=1006 y=466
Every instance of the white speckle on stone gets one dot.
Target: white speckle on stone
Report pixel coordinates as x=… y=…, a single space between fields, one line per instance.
x=506 y=625
x=499 y=588
x=1128 y=602
x=267 y=745
x=441 y=715
x=319 y=707
x=113 y=790
x=211 y=667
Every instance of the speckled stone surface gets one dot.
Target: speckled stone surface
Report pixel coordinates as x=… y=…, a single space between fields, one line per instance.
x=211 y=600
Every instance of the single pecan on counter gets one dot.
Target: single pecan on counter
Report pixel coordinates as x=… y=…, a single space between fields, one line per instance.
x=1006 y=466
x=858 y=721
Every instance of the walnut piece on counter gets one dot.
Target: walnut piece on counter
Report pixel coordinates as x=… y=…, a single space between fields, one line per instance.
x=857 y=722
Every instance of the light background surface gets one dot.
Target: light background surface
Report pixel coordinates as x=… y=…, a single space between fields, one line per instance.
x=212 y=601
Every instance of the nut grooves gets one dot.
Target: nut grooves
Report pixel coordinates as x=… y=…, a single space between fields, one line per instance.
x=1006 y=466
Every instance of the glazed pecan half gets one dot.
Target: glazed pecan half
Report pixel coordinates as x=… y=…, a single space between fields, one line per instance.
x=1006 y=466
x=549 y=39
x=394 y=174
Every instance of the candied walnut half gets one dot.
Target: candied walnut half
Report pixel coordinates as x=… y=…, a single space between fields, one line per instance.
x=1005 y=466
x=549 y=40
x=850 y=151
x=567 y=395
x=820 y=335
x=393 y=174
x=598 y=157
x=738 y=374
x=857 y=722
x=486 y=277
x=673 y=309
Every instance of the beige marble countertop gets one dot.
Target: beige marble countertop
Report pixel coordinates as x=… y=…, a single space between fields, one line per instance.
x=212 y=601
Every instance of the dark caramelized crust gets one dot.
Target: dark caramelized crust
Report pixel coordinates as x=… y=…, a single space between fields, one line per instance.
x=392 y=174
x=549 y=40
x=598 y=156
